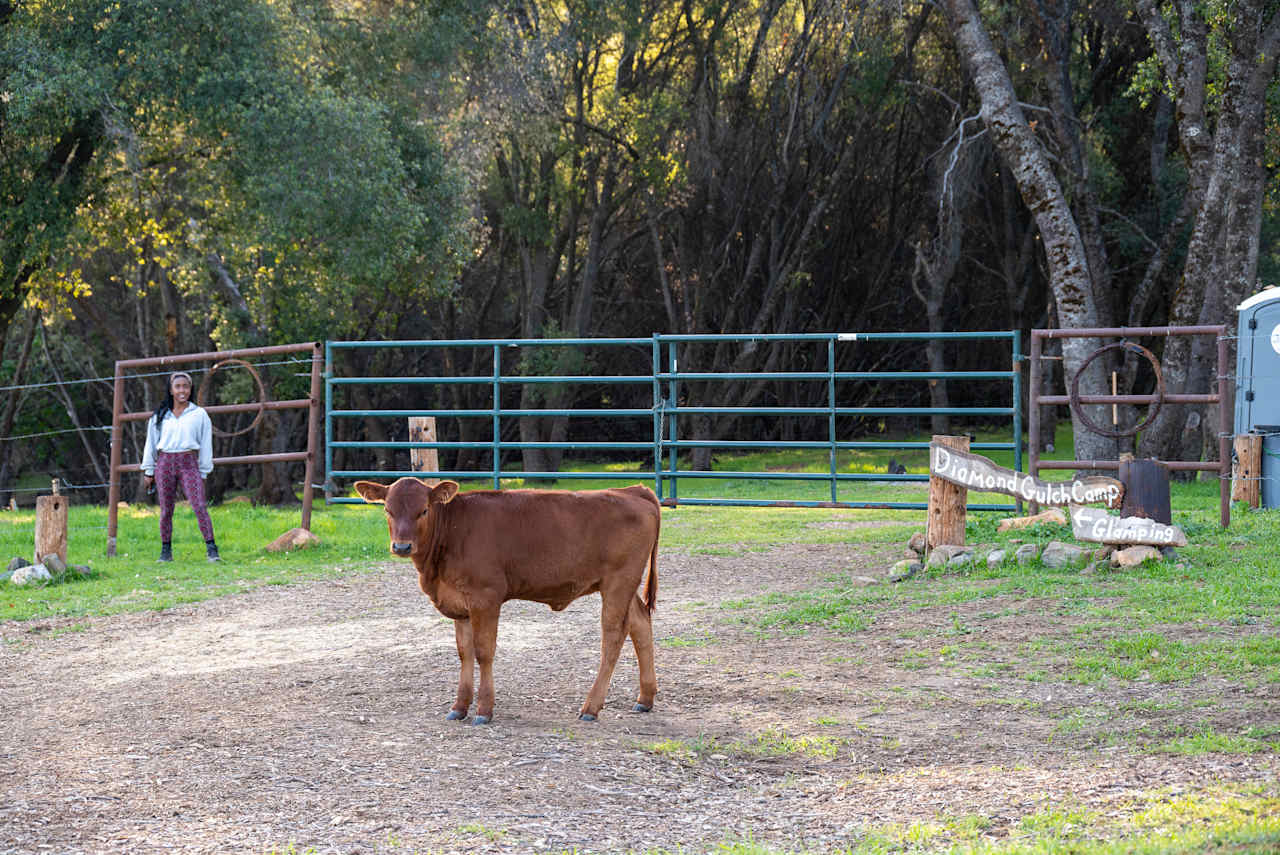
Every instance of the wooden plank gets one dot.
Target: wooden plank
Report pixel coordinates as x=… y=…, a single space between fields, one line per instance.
x=975 y=472
x=1097 y=525
x=423 y=429
x=947 y=499
x=1246 y=470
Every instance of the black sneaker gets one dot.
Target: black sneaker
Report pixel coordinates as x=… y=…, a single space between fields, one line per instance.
x=166 y=552
x=213 y=552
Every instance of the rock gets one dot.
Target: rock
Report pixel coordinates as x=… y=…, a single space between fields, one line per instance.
x=55 y=565
x=917 y=543
x=1134 y=555
x=995 y=558
x=950 y=550
x=1052 y=515
x=6 y=575
x=903 y=570
x=30 y=574
x=1026 y=554
x=962 y=560
x=1058 y=555
x=80 y=569
x=16 y=562
x=863 y=581
x=1096 y=567
x=294 y=538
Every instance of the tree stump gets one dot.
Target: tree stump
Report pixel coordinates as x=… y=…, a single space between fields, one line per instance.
x=1146 y=490
x=423 y=429
x=51 y=527
x=1246 y=471
x=947 y=502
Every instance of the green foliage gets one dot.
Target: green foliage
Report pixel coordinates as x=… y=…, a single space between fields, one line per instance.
x=318 y=190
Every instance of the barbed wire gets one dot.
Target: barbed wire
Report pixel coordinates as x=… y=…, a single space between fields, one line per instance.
x=52 y=433
x=139 y=376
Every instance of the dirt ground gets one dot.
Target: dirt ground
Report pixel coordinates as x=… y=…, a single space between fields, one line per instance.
x=313 y=716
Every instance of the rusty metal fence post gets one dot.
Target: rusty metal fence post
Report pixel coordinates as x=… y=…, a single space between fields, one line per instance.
x=1222 y=397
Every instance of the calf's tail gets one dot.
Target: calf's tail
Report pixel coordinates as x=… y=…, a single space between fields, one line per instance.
x=651 y=589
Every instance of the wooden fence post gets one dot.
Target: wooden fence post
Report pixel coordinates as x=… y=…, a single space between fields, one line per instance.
x=51 y=526
x=947 y=502
x=423 y=429
x=1246 y=473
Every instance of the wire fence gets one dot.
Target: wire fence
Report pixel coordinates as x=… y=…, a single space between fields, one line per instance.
x=72 y=485
x=65 y=475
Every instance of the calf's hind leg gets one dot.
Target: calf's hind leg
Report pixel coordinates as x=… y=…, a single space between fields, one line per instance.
x=466 y=675
x=641 y=628
x=615 y=606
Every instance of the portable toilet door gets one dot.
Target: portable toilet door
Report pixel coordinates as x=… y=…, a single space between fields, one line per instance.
x=1258 y=383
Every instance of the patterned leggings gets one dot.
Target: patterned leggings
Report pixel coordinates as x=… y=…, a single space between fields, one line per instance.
x=171 y=469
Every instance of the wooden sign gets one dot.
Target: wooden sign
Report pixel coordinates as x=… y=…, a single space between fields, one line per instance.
x=1099 y=526
x=978 y=473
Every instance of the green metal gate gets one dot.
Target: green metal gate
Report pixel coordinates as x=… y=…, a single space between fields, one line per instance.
x=660 y=429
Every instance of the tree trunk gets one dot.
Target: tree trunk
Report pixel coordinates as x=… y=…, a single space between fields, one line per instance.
x=1226 y=187
x=1064 y=248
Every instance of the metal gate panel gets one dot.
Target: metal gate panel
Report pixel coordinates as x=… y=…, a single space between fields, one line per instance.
x=666 y=415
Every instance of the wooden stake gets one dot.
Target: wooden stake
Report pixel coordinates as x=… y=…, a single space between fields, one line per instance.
x=1246 y=471
x=946 y=503
x=51 y=526
x=1115 y=410
x=423 y=429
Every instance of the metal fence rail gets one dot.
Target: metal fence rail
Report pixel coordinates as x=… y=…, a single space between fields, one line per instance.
x=666 y=416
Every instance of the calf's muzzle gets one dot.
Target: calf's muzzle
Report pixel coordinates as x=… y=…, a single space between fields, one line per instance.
x=400 y=547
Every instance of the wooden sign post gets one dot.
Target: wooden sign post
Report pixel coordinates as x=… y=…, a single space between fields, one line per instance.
x=947 y=499
x=423 y=429
x=51 y=526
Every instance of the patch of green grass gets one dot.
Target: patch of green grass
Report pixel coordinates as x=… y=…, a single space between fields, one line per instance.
x=677 y=641
x=1152 y=656
x=353 y=539
x=1224 y=821
x=771 y=742
x=1208 y=740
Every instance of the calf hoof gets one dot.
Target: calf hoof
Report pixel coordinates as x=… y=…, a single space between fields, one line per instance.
x=481 y=719
x=454 y=715
x=639 y=707
x=586 y=716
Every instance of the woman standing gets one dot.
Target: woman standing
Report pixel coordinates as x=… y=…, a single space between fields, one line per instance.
x=180 y=449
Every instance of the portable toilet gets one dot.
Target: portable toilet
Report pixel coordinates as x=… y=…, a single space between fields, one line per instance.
x=1258 y=383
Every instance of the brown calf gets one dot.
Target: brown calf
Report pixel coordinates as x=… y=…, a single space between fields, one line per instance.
x=474 y=551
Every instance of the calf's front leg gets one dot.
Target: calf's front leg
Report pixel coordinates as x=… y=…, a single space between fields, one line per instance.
x=467 y=657
x=484 y=635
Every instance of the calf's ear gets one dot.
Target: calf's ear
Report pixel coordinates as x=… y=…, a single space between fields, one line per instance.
x=371 y=491
x=444 y=492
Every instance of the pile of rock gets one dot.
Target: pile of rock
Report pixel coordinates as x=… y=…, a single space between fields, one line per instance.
x=50 y=569
x=1055 y=555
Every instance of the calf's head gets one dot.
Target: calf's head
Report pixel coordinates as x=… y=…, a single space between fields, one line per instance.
x=406 y=502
